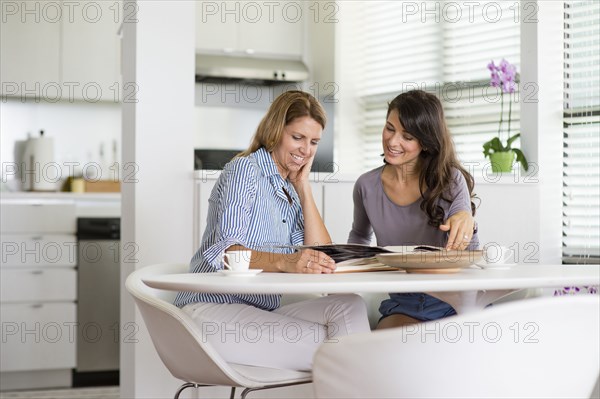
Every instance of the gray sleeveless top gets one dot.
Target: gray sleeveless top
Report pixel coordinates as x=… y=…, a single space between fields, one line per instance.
x=401 y=225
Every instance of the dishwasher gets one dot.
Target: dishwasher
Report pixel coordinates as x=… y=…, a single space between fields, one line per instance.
x=98 y=301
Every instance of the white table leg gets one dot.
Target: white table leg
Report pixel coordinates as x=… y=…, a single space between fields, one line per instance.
x=470 y=301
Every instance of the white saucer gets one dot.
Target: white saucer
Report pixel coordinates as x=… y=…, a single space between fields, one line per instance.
x=494 y=266
x=249 y=272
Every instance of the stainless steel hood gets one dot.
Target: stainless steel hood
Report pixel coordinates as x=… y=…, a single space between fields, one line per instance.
x=210 y=68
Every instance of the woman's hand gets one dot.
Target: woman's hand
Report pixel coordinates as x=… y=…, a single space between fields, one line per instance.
x=301 y=177
x=460 y=225
x=308 y=261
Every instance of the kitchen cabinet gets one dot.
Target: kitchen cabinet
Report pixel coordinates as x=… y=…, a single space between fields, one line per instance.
x=38 y=293
x=39 y=336
x=202 y=191
x=30 y=51
x=91 y=51
x=25 y=217
x=338 y=209
x=61 y=51
x=248 y=27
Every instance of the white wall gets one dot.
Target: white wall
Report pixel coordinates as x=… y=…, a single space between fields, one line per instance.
x=79 y=129
x=541 y=121
x=504 y=220
x=158 y=134
x=227 y=114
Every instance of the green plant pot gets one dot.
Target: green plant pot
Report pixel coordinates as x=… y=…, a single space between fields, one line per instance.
x=502 y=162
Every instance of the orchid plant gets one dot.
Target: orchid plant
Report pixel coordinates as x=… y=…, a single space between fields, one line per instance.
x=504 y=76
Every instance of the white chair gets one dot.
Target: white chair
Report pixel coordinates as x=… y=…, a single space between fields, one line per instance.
x=539 y=348
x=188 y=357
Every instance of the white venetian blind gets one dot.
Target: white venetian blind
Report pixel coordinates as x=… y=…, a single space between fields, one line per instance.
x=399 y=50
x=441 y=47
x=473 y=107
x=581 y=176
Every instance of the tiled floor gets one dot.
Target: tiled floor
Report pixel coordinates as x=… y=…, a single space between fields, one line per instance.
x=76 y=393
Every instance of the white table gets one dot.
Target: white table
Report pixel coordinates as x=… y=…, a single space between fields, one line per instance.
x=468 y=290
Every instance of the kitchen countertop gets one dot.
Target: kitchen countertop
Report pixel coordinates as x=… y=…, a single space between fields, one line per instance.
x=317 y=177
x=88 y=204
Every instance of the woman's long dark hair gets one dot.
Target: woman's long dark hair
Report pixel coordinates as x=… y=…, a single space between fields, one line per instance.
x=422 y=116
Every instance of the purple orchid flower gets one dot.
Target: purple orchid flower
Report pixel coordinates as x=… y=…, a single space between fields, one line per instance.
x=504 y=76
x=504 y=66
x=508 y=86
x=589 y=289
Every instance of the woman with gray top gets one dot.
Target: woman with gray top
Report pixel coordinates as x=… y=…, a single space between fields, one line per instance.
x=420 y=196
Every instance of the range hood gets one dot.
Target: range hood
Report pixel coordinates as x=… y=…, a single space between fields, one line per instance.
x=219 y=68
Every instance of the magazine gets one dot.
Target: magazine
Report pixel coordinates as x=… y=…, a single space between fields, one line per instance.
x=362 y=265
x=351 y=258
x=344 y=252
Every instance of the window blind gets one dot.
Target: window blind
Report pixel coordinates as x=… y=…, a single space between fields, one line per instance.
x=398 y=50
x=441 y=47
x=472 y=107
x=581 y=122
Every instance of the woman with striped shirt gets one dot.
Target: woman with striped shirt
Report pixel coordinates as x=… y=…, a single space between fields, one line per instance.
x=261 y=202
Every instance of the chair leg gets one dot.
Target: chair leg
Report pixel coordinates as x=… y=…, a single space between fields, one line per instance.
x=246 y=391
x=184 y=386
x=232 y=393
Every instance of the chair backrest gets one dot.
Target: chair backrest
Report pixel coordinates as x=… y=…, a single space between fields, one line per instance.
x=543 y=348
x=177 y=339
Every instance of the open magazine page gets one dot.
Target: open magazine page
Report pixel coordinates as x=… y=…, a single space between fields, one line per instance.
x=361 y=258
x=343 y=252
x=362 y=265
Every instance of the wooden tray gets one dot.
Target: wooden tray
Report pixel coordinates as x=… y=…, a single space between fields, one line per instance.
x=430 y=262
x=102 y=186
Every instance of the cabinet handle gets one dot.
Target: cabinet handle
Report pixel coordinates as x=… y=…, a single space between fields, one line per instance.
x=37 y=272
x=37 y=305
x=37 y=238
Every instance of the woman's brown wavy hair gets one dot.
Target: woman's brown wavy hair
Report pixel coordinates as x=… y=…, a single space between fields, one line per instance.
x=421 y=115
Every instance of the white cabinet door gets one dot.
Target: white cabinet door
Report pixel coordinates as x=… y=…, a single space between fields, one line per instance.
x=203 y=190
x=40 y=250
x=215 y=29
x=38 y=285
x=250 y=27
x=277 y=30
x=317 y=189
x=38 y=336
x=91 y=51
x=338 y=209
x=61 y=50
x=38 y=217
x=30 y=48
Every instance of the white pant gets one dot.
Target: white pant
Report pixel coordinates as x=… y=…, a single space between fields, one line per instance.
x=285 y=338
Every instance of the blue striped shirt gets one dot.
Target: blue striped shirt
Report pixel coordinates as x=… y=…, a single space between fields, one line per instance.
x=247 y=207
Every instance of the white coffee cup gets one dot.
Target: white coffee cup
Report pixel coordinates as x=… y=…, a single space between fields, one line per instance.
x=238 y=260
x=495 y=255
